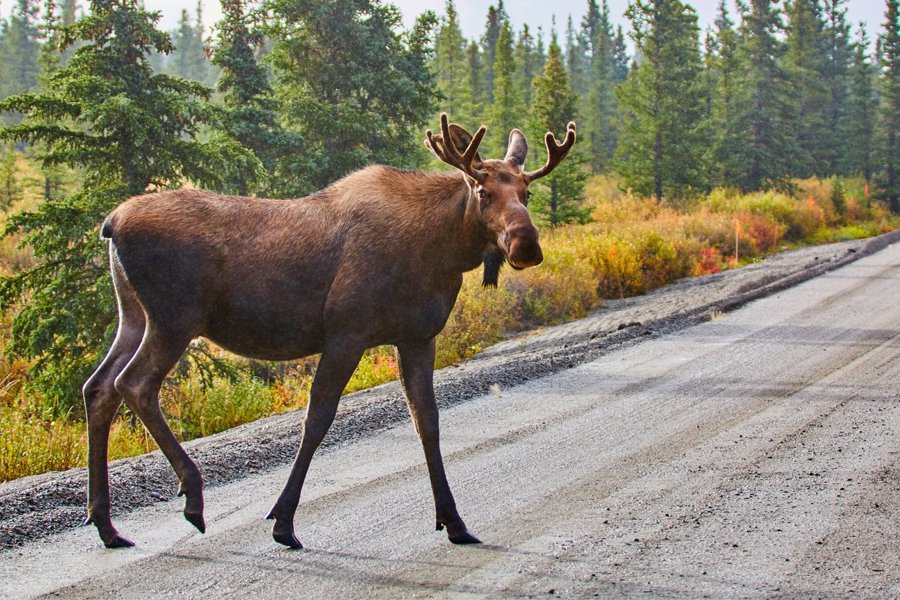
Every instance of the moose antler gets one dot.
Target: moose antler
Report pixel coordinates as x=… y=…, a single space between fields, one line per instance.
x=556 y=152
x=444 y=148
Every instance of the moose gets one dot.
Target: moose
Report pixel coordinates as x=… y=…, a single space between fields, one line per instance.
x=376 y=258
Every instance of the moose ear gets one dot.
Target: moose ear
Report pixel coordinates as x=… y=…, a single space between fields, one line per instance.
x=517 y=149
x=461 y=138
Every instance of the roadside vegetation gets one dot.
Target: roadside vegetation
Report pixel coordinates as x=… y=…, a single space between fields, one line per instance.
x=632 y=245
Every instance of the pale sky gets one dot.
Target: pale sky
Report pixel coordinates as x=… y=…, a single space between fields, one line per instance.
x=534 y=12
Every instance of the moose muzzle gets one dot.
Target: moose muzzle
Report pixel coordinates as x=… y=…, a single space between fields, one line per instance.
x=520 y=241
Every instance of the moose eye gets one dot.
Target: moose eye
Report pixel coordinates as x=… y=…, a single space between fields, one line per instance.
x=482 y=194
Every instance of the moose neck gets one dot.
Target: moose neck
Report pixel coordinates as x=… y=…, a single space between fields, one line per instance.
x=464 y=238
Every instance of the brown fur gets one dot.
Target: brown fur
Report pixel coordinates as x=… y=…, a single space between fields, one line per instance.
x=377 y=258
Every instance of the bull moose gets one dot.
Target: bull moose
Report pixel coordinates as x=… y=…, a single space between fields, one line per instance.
x=376 y=258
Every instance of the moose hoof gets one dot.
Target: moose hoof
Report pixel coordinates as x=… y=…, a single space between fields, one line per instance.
x=283 y=531
x=287 y=538
x=464 y=538
x=117 y=541
x=196 y=519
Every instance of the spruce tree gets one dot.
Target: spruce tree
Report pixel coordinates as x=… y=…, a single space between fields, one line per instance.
x=22 y=49
x=662 y=147
x=126 y=130
x=528 y=65
x=599 y=107
x=620 y=57
x=475 y=86
x=724 y=67
x=862 y=108
x=367 y=98
x=889 y=122
x=758 y=147
x=449 y=65
x=189 y=60
x=496 y=16
x=507 y=109
x=251 y=110
x=557 y=198
x=836 y=76
x=575 y=58
x=805 y=62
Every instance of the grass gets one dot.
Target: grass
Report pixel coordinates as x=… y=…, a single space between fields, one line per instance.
x=632 y=246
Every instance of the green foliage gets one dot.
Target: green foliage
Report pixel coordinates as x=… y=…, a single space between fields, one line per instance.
x=126 y=129
x=528 y=64
x=9 y=186
x=838 y=196
x=757 y=149
x=507 y=109
x=189 y=57
x=599 y=107
x=20 y=52
x=836 y=77
x=251 y=110
x=805 y=64
x=889 y=122
x=664 y=136
x=722 y=68
x=862 y=109
x=449 y=66
x=496 y=17
x=366 y=99
x=556 y=198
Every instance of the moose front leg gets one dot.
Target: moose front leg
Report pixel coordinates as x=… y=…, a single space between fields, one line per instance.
x=335 y=368
x=417 y=372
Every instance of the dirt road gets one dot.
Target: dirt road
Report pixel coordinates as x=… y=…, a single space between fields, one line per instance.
x=754 y=455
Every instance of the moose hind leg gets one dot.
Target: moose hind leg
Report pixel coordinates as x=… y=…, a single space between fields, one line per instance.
x=335 y=368
x=417 y=372
x=101 y=402
x=139 y=384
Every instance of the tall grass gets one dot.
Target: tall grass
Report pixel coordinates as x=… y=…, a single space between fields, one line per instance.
x=632 y=246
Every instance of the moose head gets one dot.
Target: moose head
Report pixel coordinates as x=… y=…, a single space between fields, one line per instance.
x=499 y=189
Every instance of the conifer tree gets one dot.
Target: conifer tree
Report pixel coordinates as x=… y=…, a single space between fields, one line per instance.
x=189 y=60
x=251 y=110
x=507 y=109
x=557 y=198
x=367 y=98
x=449 y=65
x=528 y=65
x=21 y=51
x=805 y=63
x=836 y=76
x=620 y=57
x=475 y=86
x=759 y=146
x=724 y=67
x=599 y=107
x=126 y=129
x=889 y=122
x=661 y=150
x=862 y=109
x=496 y=16
x=575 y=59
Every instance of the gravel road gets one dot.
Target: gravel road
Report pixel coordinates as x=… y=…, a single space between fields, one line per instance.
x=754 y=454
